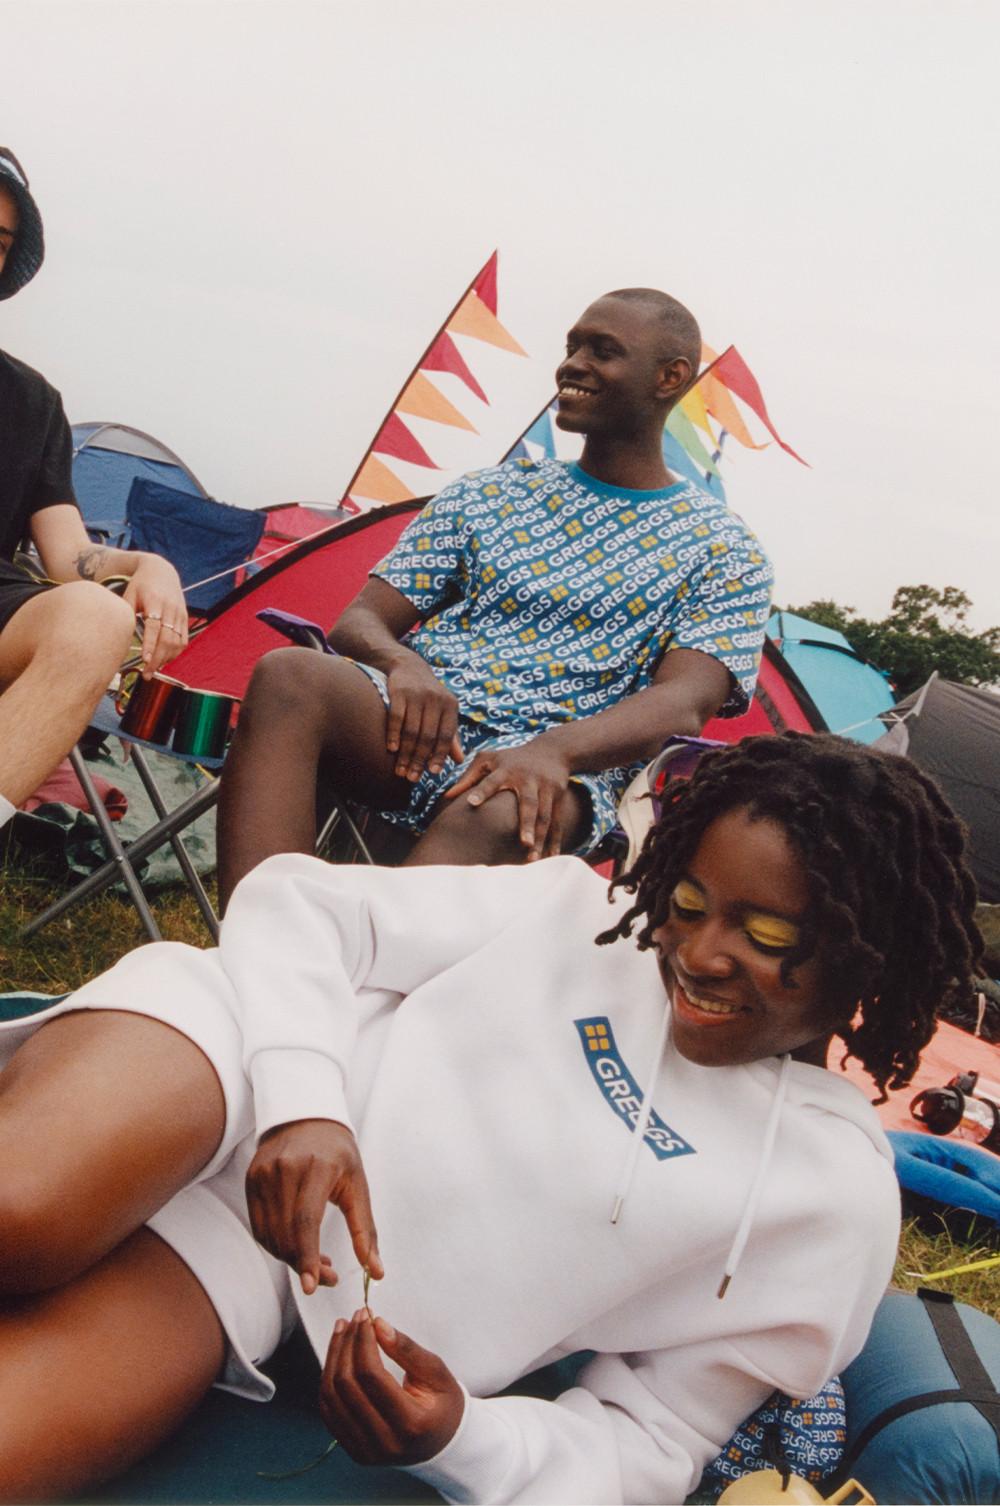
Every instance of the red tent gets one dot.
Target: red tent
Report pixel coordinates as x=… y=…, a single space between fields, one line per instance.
x=315 y=579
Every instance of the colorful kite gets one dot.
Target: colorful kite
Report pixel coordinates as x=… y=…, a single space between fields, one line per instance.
x=685 y=451
x=693 y=439
x=473 y=317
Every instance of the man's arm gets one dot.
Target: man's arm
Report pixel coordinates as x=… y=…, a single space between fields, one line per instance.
x=688 y=689
x=422 y=727
x=154 y=590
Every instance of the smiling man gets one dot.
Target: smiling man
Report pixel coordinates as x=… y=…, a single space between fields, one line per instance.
x=60 y=644
x=537 y=632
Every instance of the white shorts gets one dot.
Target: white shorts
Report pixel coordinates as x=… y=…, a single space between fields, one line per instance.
x=207 y=1223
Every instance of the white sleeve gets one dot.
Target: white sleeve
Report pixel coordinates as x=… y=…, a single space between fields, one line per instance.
x=302 y=937
x=623 y=1434
x=641 y=1427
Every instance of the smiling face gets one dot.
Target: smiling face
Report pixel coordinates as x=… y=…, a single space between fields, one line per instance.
x=617 y=377
x=735 y=917
x=9 y=220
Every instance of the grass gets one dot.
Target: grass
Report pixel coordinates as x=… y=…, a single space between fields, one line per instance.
x=88 y=939
x=93 y=936
x=925 y=1248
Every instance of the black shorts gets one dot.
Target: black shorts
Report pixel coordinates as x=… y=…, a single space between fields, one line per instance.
x=16 y=587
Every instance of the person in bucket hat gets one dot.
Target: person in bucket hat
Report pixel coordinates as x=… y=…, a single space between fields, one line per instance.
x=62 y=641
x=23 y=251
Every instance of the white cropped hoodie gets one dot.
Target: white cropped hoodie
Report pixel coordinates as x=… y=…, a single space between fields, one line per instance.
x=492 y=1062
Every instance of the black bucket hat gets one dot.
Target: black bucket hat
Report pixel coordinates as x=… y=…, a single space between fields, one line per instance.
x=28 y=251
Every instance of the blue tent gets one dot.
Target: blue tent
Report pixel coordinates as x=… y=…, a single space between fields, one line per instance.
x=848 y=692
x=107 y=458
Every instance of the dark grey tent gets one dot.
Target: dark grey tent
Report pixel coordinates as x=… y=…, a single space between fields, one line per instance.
x=952 y=732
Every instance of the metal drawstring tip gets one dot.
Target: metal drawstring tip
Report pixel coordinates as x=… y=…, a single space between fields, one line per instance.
x=617 y=1209
x=724 y=1286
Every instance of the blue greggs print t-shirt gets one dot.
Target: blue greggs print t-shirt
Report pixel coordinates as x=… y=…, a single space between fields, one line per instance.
x=546 y=595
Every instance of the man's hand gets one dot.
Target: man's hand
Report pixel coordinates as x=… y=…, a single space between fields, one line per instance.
x=298 y=1169
x=374 y=1417
x=422 y=729
x=154 y=592
x=538 y=775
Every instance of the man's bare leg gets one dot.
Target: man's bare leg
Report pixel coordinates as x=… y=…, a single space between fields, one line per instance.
x=58 y=654
x=464 y=833
x=302 y=709
x=96 y=1373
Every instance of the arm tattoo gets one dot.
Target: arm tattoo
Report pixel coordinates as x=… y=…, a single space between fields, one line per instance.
x=90 y=562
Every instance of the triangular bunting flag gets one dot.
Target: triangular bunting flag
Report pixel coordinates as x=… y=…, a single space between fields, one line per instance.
x=721 y=406
x=444 y=355
x=394 y=438
x=734 y=371
x=486 y=284
x=376 y=482
x=683 y=430
x=540 y=433
x=422 y=399
x=693 y=404
x=472 y=317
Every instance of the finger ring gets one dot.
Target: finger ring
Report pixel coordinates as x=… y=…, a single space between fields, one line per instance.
x=153 y=617
x=171 y=629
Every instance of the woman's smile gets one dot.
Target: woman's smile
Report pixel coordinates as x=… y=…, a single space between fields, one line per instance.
x=736 y=918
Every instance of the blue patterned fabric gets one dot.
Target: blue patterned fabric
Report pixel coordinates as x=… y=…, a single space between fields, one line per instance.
x=429 y=788
x=546 y=596
x=808 y=1436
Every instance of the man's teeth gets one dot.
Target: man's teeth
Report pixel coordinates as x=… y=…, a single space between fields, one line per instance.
x=569 y=391
x=712 y=1006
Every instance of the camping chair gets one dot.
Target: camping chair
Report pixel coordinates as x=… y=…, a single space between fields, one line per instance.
x=321 y=575
x=123 y=861
x=206 y=541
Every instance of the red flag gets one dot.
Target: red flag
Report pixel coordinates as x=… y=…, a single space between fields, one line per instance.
x=444 y=355
x=486 y=284
x=394 y=438
x=734 y=371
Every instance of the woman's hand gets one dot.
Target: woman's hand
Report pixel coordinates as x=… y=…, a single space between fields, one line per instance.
x=377 y=1419
x=298 y=1169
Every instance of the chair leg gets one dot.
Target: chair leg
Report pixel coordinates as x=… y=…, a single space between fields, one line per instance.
x=180 y=851
x=113 y=843
x=189 y=810
x=339 y=814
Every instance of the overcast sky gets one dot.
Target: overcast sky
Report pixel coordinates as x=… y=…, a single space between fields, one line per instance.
x=258 y=212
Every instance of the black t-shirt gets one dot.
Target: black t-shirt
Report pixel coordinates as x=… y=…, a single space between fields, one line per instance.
x=36 y=450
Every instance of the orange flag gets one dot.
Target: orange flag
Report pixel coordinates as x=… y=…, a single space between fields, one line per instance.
x=422 y=399
x=376 y=481
x=472 y=317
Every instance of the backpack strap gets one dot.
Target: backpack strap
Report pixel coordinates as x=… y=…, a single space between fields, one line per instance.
x=960 y=1352
x=975 y=1385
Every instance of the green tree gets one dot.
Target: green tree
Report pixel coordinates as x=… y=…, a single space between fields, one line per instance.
x=924 y=630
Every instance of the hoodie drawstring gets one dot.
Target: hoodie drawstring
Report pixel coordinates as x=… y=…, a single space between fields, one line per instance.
x=763 y=1164
x=642 y=1122
x=763 y=1161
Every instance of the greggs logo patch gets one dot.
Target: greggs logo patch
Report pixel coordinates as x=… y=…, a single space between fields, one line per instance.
x=621 y=1090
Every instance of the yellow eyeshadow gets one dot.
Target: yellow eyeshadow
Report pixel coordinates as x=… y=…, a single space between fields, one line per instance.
x=687 y=897
x=770 y=931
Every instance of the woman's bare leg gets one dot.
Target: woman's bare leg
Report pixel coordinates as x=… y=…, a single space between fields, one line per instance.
x=95 y=1374
x=103 y=1117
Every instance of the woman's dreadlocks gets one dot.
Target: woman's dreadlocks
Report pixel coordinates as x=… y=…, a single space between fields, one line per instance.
x=891 y=898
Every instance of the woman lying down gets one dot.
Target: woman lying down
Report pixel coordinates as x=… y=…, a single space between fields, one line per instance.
x=630 y=1147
